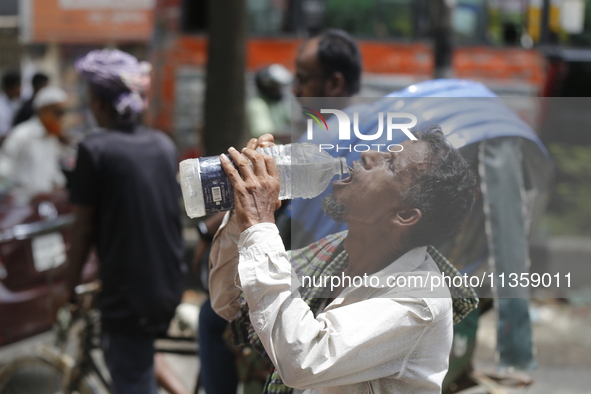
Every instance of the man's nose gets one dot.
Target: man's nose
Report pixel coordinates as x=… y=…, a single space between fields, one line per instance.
x=370 y=158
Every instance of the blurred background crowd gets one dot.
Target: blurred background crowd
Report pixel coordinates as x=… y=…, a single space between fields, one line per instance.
x=525 y=48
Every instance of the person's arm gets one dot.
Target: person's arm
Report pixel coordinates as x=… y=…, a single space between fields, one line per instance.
x=84 y=194
x=206 y=229
x=82 y=241
x=223 y=269
x=223 y=257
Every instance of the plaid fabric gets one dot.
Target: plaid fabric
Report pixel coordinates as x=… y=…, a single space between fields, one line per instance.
x=328 y=257
x=464 y=299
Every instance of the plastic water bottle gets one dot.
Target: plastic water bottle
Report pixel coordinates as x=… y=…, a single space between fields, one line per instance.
x=304 y=171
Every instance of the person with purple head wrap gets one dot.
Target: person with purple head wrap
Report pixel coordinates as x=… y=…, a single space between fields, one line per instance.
x=118 y=78
x=126 y=196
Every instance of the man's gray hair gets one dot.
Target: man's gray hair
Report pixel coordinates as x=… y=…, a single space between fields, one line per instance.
x=444 y=193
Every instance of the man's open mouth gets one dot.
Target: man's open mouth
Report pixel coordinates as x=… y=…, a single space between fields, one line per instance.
x=349 y=178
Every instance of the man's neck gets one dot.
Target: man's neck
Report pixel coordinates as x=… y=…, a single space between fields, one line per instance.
x=114 y=124
x=371 y=251
x=339 y=102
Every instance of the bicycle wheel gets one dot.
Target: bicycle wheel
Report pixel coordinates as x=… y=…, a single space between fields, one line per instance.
x=34 y=375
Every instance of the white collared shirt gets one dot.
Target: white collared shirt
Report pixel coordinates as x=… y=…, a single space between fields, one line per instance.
x=368 y=340
x=30 y=158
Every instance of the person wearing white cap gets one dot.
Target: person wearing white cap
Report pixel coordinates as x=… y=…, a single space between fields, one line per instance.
x=30 y=154
x=268 y=112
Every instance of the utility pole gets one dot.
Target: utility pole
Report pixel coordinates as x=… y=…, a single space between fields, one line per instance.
x=226 y=61
x=442 y=34
x=545 y=23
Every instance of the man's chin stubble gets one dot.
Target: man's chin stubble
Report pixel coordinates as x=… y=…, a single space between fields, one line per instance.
x=334 y=209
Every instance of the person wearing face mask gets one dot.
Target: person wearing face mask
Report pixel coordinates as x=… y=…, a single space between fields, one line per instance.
x=30 y=154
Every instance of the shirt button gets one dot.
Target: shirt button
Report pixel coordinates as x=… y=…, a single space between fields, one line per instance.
x=259 y=324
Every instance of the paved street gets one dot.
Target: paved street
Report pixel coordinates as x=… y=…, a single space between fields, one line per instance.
x=563 y=349
x=561 y=335
x=185 y=366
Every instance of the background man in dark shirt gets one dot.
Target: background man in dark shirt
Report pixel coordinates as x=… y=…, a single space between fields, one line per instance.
x=9 y=100
x=328 y=65
x=26 y=111
x=127 y=205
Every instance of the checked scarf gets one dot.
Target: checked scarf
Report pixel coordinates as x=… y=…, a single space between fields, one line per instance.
x=328 y=257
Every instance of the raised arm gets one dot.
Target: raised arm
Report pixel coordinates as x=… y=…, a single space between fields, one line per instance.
x=223 y=269
x=223 y=258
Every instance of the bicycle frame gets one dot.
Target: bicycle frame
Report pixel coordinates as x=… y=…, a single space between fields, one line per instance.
x=82 y=363
x=86 y=318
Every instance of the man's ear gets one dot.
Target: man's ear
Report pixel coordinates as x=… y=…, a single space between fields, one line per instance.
x=407 y=218
x=335 y=85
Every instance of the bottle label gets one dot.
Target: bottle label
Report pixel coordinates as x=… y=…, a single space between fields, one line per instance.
x=218 y=193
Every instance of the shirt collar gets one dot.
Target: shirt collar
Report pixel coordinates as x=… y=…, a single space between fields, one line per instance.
x=408 y=262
